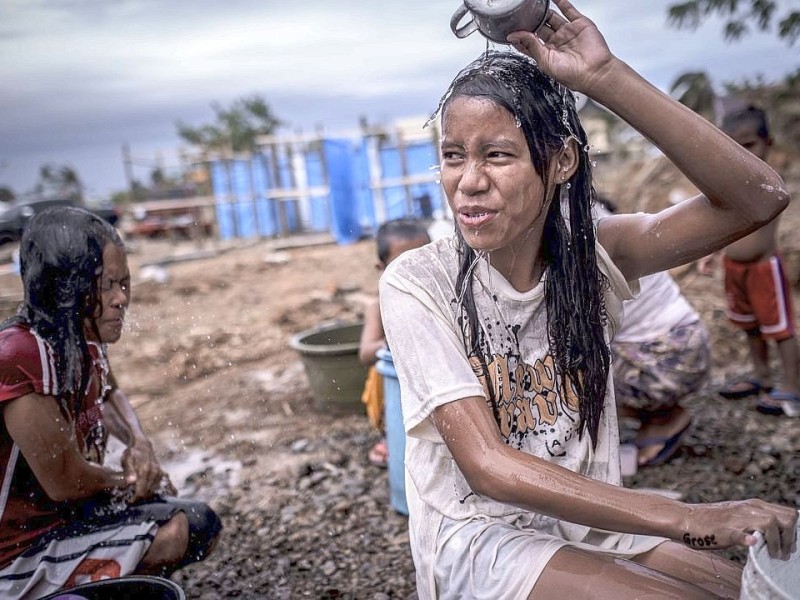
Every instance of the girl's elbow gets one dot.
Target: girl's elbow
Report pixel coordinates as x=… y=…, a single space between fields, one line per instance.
x=777 y=195
x=59 y=493
x=482 y=478
x=784 y=198
x=771 y=203
x=68 y=487
x=779 y=203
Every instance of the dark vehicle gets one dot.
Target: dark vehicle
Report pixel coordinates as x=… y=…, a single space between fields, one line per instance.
x=14 y=218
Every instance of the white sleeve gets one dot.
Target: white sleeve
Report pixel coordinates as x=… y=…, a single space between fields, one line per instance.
x=427 y=351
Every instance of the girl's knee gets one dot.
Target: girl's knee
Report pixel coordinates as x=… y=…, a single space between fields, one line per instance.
x=173 y=537
x=204 y=528
x=168 y=548
x=189 y=536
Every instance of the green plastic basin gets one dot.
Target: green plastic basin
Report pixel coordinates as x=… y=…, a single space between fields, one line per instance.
x=330 y=358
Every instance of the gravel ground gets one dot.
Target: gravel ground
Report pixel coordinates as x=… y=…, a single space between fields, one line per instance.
x=333 y=535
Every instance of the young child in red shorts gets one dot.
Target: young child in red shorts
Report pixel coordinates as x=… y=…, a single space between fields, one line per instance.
x=758 y=296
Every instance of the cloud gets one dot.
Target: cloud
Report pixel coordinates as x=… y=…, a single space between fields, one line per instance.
x=83 y=72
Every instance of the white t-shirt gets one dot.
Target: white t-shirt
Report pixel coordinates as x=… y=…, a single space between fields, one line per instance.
x=659 y=308
x=426 y=335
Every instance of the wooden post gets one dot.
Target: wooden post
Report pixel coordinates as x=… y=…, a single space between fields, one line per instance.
x=283 y=225
x=401 y=153
x=289 y=152
x=319 y=146
x=254 y=194
x=127 y=165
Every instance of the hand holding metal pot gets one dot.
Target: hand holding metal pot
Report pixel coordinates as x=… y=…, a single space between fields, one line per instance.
x=495 y=19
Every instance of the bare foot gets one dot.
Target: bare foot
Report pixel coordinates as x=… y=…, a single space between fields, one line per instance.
x=379 y=454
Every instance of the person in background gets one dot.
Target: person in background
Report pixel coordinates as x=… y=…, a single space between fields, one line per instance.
x=65 y=517
x=500 y=336
x=392 y=239
x=759 y=299
x=660 y=355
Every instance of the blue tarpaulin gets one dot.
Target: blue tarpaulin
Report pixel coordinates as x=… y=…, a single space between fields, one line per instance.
x=253 y=195
x=340 y=158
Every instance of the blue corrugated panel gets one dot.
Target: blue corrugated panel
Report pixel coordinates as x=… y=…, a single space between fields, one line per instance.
x=423 y=159
x=265 y=207
x=345 y=225
x=364 y=196
x=289 y=206
x=425 y=197
x=220 y=184
x=319 y=206
x=242 y=189
x=394 y=198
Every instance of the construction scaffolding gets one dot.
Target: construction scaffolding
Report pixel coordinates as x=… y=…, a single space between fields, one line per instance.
x=346 y=184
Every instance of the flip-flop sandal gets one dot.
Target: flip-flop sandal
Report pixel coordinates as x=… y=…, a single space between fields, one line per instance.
x=743 y=388
x=671 y=445
x=779 y=402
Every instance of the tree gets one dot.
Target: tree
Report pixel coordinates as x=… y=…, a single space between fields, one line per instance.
x=236 y=129
x=781 y=101
x=6 y=195
x=740 y=16
x=59 y=182
x=694 y=89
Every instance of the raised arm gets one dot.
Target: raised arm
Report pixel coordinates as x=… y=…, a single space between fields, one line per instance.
x=739 y=192
x=48 y=444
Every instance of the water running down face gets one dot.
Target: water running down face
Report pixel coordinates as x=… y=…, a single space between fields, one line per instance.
x=114 y=288
x=496 y=195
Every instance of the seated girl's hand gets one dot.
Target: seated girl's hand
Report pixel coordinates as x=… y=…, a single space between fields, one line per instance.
x=141 y=460
x=727 y=524
x=166 y=487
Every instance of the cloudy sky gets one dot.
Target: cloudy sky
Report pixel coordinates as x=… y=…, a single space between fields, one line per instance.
x=80 y=77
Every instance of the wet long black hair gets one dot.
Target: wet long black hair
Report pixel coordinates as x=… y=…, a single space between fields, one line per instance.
x=573 y=283
x=61 y=259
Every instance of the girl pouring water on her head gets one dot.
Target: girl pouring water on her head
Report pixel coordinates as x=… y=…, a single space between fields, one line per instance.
x=500 y=336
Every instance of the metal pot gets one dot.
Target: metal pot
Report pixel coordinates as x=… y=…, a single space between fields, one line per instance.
x=495 y=19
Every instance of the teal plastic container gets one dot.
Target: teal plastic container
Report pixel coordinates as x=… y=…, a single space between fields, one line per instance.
x=395 y=432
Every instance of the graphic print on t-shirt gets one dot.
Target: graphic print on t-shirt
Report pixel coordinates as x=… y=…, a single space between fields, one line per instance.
x=526 y=399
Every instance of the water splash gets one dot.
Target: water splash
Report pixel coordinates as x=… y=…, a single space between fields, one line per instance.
x=512 y=74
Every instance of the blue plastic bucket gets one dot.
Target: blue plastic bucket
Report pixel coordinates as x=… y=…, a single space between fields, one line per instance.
x=395 y=433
